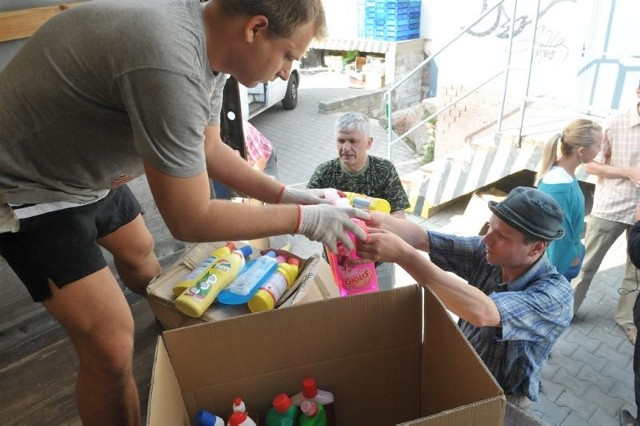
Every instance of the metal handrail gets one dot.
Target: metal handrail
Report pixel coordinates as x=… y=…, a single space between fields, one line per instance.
x=421 y=65
x=394 y=86
x=443 y=109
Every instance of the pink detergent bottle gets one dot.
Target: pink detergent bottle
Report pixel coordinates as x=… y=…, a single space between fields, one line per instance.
x=349 y=277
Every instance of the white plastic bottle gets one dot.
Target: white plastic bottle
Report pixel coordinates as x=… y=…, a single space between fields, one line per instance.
x=205 y=418
x=240 y=419
x=239 y=406
x=311 y=392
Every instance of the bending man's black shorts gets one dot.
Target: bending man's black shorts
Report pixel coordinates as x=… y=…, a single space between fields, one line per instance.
x=62 y=245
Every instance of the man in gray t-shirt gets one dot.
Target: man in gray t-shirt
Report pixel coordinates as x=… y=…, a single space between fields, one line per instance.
x=103 y=93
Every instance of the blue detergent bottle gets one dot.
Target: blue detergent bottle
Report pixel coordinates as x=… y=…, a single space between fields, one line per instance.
x=242 y=289
x=205 y=418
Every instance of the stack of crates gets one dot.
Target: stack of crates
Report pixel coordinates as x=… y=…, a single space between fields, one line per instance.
x=389 y=20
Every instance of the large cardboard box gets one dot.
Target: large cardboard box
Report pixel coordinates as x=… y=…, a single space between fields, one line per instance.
x=475 y=220
x=314 y=282
x=393 y=357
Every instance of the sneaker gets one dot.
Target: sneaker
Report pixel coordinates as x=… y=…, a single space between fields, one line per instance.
x=626 y=419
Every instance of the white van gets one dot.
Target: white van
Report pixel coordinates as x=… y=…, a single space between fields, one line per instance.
x=258 y=99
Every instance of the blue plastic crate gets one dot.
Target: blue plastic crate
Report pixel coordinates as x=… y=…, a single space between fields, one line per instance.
x=389 y=20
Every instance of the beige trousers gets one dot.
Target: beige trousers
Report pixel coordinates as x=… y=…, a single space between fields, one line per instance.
x=600 y=236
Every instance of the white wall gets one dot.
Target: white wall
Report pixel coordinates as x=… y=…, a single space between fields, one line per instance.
x=568 y=67
x=342 y=18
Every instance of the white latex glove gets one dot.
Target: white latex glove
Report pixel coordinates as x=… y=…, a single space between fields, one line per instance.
x=302 y=196
x=328 y=224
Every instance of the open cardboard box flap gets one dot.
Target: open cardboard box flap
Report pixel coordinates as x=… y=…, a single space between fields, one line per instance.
x=367 y=349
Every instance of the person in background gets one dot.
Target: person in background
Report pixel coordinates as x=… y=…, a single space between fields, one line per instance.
x=111 y=90
x=578 y=144
x=354 y=170
x=633 y=250
x=512 y=303
x=261 y=156
x=616 y=195
x=260 y=153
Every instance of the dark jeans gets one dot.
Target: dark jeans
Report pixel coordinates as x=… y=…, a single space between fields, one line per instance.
x=636 y=357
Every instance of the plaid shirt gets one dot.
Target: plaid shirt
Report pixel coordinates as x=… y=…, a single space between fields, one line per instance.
x=535 y=309
x=616 y=199
x=257 y=144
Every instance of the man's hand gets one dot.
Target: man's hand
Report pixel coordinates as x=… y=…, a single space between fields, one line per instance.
x=301 y=196
x=328 y=224
x=383 y=246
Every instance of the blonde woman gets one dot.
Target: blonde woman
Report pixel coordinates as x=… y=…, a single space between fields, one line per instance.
x=578 y=143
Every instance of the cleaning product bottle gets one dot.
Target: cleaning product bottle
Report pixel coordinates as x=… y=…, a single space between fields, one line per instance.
x=349 y=277
x=195 y=275
x=274 y=287
x=310 y=392
x=197 y=298
x=205 y=418
x=240 y=419
x=368 y=203
x=239 y=407
x=282 y=409
x=242 y=289
x=313 y=414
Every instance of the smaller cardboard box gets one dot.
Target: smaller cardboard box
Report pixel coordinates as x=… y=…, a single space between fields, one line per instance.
x=475 y=220
x=392 y=357
x=314 y=282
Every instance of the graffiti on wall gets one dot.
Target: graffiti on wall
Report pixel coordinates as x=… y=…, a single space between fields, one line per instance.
x=550 y=44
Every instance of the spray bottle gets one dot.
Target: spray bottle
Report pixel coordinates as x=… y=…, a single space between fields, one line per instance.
x=242 y=289
x=352 y=278
x=324 y=398
x=197 y=298
x=194 y=276
x=275 y=286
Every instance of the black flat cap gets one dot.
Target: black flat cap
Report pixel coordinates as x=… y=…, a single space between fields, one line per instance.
x=531 y=211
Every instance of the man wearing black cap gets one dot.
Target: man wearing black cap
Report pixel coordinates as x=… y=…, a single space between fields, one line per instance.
x=512 y=303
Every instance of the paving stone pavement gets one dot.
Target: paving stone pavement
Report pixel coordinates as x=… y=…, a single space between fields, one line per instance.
x=587 y=379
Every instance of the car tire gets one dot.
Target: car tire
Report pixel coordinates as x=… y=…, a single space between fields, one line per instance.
x=290 y=100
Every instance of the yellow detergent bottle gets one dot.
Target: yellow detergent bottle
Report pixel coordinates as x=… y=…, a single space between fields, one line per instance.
x=196 y=275
x=368 y=203
x=272 y=290
x=195 y=300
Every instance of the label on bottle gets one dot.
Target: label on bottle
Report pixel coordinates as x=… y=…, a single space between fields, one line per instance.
x=276 y=285
x=361 y=203
x=203 y=287
x=356 y=278
x=204 y=265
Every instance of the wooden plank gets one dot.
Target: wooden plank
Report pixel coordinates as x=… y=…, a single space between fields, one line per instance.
x=18 y=24
x=42 y=384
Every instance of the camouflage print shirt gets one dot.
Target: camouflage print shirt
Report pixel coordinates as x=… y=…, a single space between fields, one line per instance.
x=378 y=179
